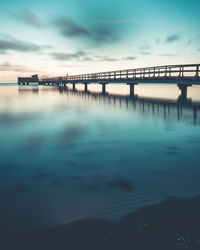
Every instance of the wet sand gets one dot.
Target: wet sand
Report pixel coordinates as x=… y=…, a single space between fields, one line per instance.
x=172 y=224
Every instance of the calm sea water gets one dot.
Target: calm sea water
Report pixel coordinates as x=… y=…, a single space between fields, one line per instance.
x=68 y=155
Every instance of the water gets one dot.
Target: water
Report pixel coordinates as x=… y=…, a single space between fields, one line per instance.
x=68 y=155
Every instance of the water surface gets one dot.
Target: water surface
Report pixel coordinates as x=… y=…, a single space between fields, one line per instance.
x=68 y=155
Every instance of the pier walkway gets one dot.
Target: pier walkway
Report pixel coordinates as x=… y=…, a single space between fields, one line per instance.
x=183 y=75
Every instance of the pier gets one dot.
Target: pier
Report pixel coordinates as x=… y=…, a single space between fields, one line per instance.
x=183 y=76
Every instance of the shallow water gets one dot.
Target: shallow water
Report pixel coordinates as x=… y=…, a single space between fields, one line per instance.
x=68 y=155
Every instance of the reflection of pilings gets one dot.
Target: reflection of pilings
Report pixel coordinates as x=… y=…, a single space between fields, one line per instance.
x=164 y=107
x=145 y=105
x=65 y=87
x=179 y=111
x=195 y=114
x=61 y=89
x=23 y=90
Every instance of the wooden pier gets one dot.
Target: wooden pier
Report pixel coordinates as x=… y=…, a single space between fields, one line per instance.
x=183 y=75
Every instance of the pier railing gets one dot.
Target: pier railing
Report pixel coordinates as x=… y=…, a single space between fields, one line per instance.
x=173 y=72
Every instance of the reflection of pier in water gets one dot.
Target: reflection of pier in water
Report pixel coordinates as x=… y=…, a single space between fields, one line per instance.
x=24 y=90
x=182 y=109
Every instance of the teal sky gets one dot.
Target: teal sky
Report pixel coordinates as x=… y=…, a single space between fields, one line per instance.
x=58 y=37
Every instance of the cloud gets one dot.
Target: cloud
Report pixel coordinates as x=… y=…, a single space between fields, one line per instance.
x=10 y=43
x=104 y=58
x=68 y=56
x=71 y=65
x=17 y=45
x=189 y=42
x=14 y=68
x=46 y=46
x=131 y=58
x=146 y=53
x=104 y=36
x=29 y=17
x=172 y=38
x=145 y=47
x=158 y=40
x=98 y=34
x=80 y=56
x=121 y=21
x=145 y=50
x=168 y=54
x=70 y=28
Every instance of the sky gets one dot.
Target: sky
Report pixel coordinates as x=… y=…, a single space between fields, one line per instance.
x=62 y=37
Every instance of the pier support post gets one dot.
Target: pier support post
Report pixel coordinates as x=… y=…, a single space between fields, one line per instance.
x=197 y=71
x=132 y=89
x=183 y=89
x=103 y=87
x=74 y=86
x=86 y=87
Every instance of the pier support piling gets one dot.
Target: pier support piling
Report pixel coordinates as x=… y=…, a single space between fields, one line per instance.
x=183 y=89
x=86 y=87
x=197 y=71
x=74 y=86
x=132 y=89
x=103 y=87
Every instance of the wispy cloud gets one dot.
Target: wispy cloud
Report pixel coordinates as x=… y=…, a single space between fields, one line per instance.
x=168 y=55
x=130 y=58
x=104 y=36
x=172 y=38
x=158 y=40
x=68 y=56
x=145 y=50
x=70 y=28
x=189 y=42
x=121 y=21
x=80 y=56
x=28 y=17
x=105 y=59
x=145 y=47
x=6 y=66
x=97 y=34
x=145 y=53
x=13 y=44
x=17 y=45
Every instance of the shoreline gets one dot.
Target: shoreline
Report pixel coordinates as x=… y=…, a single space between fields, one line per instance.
x=172 y=224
